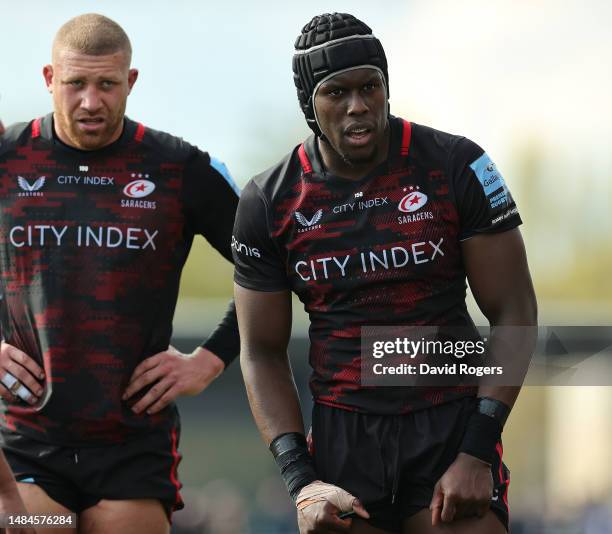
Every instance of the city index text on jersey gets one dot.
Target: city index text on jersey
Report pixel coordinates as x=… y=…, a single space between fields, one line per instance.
x=41 y=235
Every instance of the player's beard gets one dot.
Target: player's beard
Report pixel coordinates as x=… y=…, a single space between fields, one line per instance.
x=91 y=140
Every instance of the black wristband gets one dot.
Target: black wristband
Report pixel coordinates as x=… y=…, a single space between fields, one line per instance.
x=482 y=434
x=484 y=428
x=494 y=408
x=295 y=463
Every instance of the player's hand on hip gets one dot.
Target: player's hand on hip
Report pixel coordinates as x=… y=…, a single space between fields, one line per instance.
x=172 y=373
x=320 y=506
x=465 y=490
x=20 y=376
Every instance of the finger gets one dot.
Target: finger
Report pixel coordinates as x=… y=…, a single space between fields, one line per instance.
x=7 y=395
x=25 y=394
x=436 y=514
x=25 y=361
x=449 y=509
x=437 y=501
x=147 y=365
x=360 y=510
x=464 y=509
x=152 y=396
x=24 y=377
x=163 y=401
x=333 y=523
x=143 y=380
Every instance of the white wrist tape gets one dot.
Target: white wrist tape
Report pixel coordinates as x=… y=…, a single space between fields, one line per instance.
x=318 y=491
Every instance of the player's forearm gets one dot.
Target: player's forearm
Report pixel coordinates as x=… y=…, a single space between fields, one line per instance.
x=511 y=345
x=272 y=393
x=513 y=356
x=224 y=342
x=276 y=408
x=10 y=499
x=8 y=487
x=208 y=360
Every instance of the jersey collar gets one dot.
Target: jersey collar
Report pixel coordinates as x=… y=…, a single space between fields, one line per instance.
x=399 y=149
x=43 y=128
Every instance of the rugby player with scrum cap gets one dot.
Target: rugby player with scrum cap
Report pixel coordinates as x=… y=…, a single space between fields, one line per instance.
x=376 y=220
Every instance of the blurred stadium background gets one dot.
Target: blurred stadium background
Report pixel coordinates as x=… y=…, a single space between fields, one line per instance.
x=529 y=81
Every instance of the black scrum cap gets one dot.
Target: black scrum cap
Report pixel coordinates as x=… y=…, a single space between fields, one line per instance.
x=329 y=44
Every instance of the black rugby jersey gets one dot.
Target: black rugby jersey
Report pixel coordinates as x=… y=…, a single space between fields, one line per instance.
x=383 y=250
x=92 y=244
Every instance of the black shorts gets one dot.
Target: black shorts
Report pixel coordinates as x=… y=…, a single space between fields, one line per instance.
x=392 y=462
x=144 y=467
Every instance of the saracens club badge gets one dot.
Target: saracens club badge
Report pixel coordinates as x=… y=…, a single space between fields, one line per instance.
x=412 y=201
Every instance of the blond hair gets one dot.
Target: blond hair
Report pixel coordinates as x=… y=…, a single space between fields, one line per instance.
x=94 y=35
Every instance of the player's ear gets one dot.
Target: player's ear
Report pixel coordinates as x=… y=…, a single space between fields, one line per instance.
x=48 y=76
x=132 y=77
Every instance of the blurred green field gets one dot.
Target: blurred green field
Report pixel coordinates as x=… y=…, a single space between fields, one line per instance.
x=207 y=274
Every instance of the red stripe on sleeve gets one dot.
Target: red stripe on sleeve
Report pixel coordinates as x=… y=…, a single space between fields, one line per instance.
x=406 y=135
x=140 y=130
x=36 y=129
x=306 y=166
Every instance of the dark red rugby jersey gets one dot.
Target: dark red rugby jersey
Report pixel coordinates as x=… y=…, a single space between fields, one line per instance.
x=384 y=250
x=91 y=250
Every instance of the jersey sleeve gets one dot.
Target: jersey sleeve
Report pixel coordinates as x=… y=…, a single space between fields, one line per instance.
x=259 y=264
x=225 y=340
x=483 y=199
x=210 y=198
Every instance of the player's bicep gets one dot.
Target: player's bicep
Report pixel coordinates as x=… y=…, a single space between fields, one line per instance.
x=264 y=320
x=498 y=274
